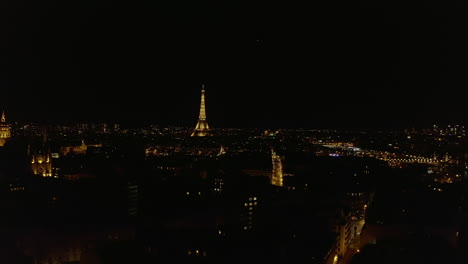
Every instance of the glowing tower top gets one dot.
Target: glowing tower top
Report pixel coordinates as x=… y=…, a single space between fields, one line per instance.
x=202 y=129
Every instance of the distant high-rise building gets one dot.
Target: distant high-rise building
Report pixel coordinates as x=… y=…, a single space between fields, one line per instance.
x=277 y=173
x=5 y=130
x=132 y=191
x=41 y=160
x=248 y=212
x=202 y=129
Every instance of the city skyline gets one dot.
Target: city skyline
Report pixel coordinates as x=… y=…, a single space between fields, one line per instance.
x=163 y=132
x=370 y=68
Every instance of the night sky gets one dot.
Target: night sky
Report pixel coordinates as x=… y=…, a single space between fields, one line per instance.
x=262 y=65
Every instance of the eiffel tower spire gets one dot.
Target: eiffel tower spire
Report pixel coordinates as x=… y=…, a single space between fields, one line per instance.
x=202 y=129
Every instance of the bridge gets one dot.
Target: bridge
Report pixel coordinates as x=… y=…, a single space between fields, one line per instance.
x=393 y=159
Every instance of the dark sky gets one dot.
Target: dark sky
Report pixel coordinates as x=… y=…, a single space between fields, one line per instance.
x=262 y=65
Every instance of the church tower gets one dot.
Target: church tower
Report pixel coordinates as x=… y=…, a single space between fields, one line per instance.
x=202 y=129
x=5 y=130
x=41 y=160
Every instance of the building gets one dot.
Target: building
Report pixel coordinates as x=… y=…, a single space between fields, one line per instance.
x=202 y=129
x=357 y=201
x=5 y=130
x=132 y=192
x=78 y=150
x=277 y=173
x=342 y=226
x=41 y=160
x=249 y=205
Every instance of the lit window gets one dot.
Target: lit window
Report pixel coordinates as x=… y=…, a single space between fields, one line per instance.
x=255 y=198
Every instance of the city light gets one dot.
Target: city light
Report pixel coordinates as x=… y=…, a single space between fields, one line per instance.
x=330 y=130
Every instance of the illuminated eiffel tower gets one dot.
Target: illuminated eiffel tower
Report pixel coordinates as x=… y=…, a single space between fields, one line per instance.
x=202 y=129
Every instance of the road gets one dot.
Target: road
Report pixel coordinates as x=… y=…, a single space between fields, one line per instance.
x=356 y=241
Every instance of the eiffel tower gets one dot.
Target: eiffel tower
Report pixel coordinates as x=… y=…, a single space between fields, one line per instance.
x=202 y=129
